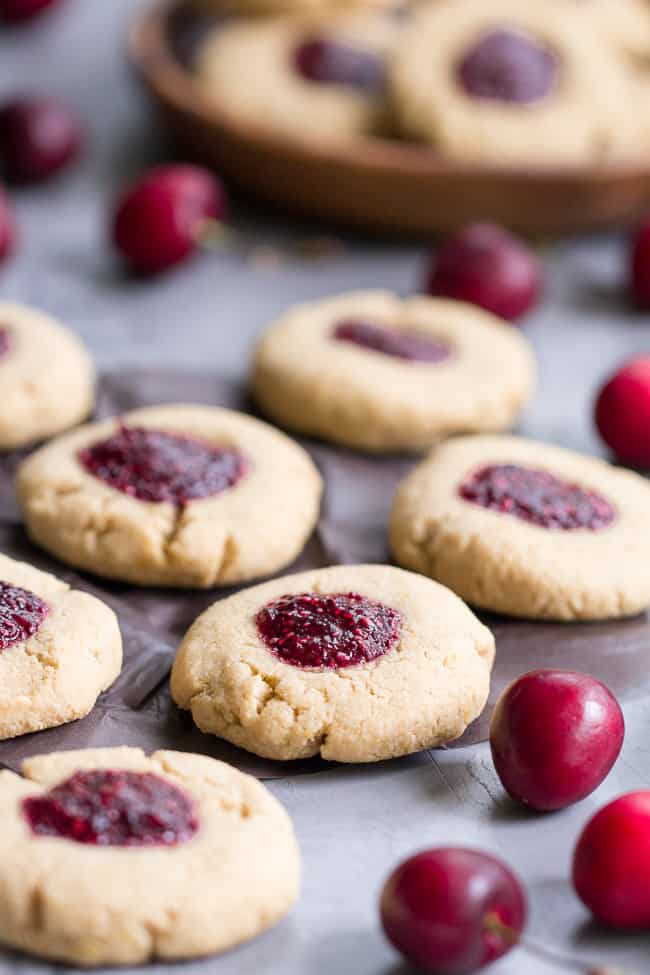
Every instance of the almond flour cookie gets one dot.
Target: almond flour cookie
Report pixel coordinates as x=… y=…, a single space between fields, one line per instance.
x=59 y=649
x=623 y=23
x=175 y=495
x=46 y=376
x=309 y=80
x=355 y=663
x=373 y=371
x=511 y=83
x=112 y=858
x=527 y=529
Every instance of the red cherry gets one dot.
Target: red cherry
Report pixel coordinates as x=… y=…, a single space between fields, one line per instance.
x=18 y=10
x=611 y=863
x=555 y=735
x=7 y=226
x=158 y=219
x=38 y=137
x=486 y=266
x=623 y=412
x=640 y=264
x=452 y=911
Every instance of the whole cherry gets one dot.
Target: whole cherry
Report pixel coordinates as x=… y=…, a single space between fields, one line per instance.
x=485 y=265
x=555 y=736
x=159 y=219
x=451 y=911
x=639 y=264
x=622 y=412
x=15 y=11
x=611 y=863
x=7 y=226
x=39 y=136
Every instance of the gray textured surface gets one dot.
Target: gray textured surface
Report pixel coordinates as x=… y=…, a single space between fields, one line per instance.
x=353 y=824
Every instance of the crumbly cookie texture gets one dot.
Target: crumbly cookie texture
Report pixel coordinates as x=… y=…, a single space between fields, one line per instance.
x=578 y=121
x=247 y=69
x=500 y=562
x=93 y=905
x=57 y=674
x=306 y=380
x=624 y=23
x=422 y=693
x=47 y=377
x=250 y=530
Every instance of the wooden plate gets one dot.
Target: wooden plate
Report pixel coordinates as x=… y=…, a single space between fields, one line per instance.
x=372 y=183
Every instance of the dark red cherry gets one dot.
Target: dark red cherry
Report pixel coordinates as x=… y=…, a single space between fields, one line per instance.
x=39 y=136
x=159 y=219
x=7 y=226
x=623 y=412
x=16 y=11
x=452 y=911
x=555 y=736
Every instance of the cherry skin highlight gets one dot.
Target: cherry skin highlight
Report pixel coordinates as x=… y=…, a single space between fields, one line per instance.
x=611 y=863
x=325 y=61
x=105 y=807
x=328 y=631
x=537 y=497
x=17 y=11
x=155 y=465
x=39 y=136
x=622 y=413
x=508 y=66
x=7 y=227
x=411 y=346
x=555 y=736
x=159 y=219
x=21 y=614
x=452 y=911
x=486 y=266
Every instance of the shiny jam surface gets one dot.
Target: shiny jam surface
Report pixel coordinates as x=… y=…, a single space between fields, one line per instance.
x=107 y=807
x=508 y=66
x=333 y=631
x=326 y=61
x=412 y=346
x=21 y=614
x=537 y=497
x=154 y=465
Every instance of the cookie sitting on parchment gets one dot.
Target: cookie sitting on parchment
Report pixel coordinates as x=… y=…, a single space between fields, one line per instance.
x=354 y=663
x=527 y=529
x=110 y=857
x=180 y=495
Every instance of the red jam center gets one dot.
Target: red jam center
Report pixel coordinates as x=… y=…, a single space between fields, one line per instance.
x=153 y=465
x=333 y=631
x=21 y=614
x=508 y=66
x=414 y=346
x=5 y=342
x=334 y=62
x=537 y=497
x=104 y=807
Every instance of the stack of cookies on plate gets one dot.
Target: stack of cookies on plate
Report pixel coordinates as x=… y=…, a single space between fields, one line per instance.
x=495 y=81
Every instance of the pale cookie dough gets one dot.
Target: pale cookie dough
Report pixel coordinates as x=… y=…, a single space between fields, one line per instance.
x=122 y=905
x=247 y=69
x=46 y=376
x=423 y=692
x=499 y=561
x=56 y=674
x=299 y=7
x=624 y=23
x=251 y=529
x=308 y=381
x=578 y=121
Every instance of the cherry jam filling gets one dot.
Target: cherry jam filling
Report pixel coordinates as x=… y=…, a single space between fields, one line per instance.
x=104 y=807
x=154 y=465
x=5 y=342
x=537 y=497
x=21 y=614
x=508 y=66
x=414 y=346
x=331 y=631
x=326 y=61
